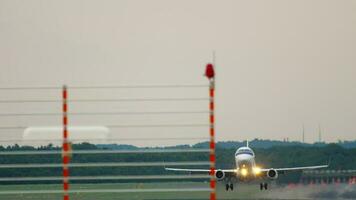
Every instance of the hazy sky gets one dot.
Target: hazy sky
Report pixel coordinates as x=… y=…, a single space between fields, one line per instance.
x=279 y=63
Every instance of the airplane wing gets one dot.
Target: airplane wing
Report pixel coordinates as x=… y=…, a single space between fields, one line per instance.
x=236 y=170
x=296 y=168
x=201 y=170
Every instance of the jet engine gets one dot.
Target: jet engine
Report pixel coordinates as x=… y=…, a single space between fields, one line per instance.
x=219 y=174
x=272 y=174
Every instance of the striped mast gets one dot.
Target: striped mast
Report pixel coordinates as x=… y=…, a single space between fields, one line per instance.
x=65 y=145
x=210 y=74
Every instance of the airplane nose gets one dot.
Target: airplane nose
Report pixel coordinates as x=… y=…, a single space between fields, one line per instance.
x=243 y=159
x=244 y=163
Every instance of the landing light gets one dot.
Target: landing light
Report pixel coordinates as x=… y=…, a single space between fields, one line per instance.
x=244 y=172
x=257 y=170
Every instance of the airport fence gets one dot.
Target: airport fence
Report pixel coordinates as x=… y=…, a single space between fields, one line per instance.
x=48 y=122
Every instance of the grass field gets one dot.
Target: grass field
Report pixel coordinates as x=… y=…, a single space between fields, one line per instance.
x=242 y=192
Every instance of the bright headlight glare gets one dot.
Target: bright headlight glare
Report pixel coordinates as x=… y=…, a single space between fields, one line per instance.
x=257 y=170
x=244 y=172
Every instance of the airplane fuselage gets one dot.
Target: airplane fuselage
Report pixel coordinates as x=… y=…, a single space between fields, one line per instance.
x=245 y=162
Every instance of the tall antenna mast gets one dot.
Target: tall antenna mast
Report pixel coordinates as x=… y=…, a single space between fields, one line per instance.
x=303 y=135
x=319 y=134
x=213 y=54
x=214 y=64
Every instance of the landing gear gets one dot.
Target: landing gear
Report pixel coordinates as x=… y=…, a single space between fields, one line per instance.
x=229 y=186
x=263 y=186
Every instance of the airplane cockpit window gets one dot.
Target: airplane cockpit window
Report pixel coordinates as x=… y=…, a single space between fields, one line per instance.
x=244 y=151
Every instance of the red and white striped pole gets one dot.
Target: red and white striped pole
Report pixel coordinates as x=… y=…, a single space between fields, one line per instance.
x=210 y=74
x=65 y=145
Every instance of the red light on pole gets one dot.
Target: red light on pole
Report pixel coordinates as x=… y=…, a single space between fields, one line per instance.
x=209 y=71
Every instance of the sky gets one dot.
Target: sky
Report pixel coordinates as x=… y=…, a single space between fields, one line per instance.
x=279 y=64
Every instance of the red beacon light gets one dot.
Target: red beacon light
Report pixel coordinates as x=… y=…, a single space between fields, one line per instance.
x=209 y=72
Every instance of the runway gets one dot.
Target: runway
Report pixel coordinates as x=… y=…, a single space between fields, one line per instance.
x=175 y=191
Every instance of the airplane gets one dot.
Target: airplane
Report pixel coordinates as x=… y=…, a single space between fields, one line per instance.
x=246 y=170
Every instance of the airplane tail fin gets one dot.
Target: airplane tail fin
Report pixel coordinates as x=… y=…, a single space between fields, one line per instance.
x=247 y=143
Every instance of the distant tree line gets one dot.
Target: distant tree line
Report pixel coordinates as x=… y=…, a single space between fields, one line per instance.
x=275 y=156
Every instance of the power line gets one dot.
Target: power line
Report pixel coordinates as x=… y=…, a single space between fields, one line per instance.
x=158 y=126
x=146 y=177
x=103 y=100
x=139 y=86
x=54 y=152
x=104 y=113
x=29 y=101
x=155 y=190
x=106 y=87
x=32 y=88
x=104 y=164
x=109 y=139
x=125 y=126
x=12 y=127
